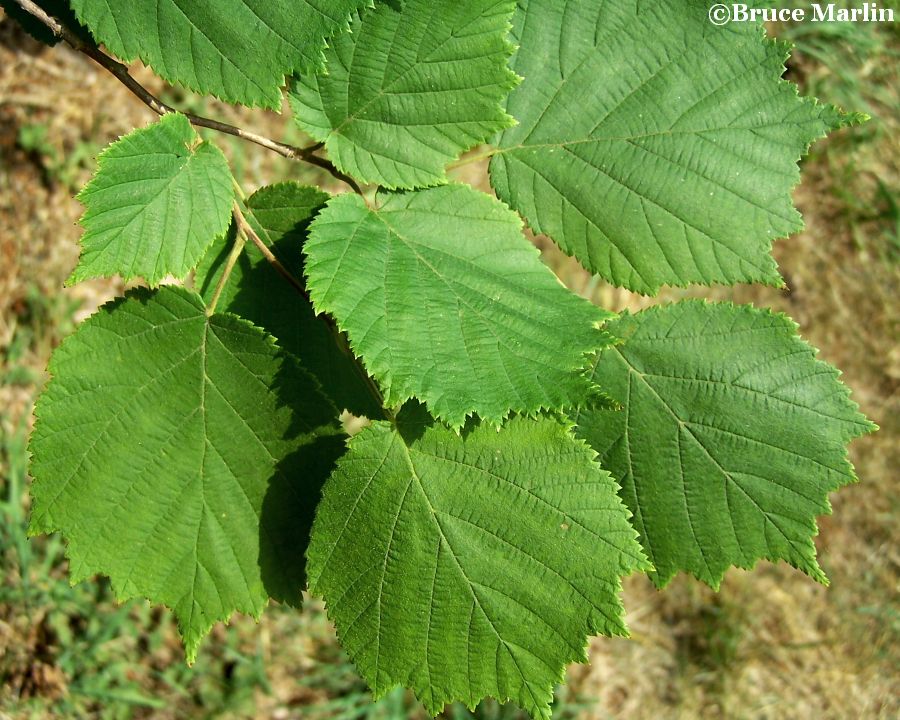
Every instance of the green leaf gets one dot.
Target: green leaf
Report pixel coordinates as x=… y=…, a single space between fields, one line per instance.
x=655 y=147
x=731 y=437
x=181 y=455
x=281 y=215
x=445 y=300
x=473 y=565
x=410 y=88
x=237 y=50
x=159 y=198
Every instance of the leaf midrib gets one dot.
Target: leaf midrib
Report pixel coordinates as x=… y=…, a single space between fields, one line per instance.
x=415 y=478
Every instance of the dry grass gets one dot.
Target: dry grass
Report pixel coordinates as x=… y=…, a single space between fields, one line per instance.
x=771 y=644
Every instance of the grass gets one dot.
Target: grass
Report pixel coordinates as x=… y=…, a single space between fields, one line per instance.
x=857 y=67
x=770 y=645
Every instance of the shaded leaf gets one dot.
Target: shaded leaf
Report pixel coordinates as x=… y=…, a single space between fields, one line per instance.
x=58 y=9
x=281 y=214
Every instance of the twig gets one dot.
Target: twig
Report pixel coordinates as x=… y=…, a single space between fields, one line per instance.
x=120 y=71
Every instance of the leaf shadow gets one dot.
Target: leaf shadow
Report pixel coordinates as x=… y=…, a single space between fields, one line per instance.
x=314 y=442
x=287 y=515
x=259 y=294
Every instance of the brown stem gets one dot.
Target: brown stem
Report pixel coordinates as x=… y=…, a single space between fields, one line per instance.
x=121 y=73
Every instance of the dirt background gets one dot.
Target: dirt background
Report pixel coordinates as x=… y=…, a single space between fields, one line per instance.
x=771 y=644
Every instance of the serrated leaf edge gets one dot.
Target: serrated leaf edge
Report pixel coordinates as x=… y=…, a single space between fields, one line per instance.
x=396 y=400
x=84 y=573
x=643 y=565
x=512 y=80
x=866 y=426
x=78 y=274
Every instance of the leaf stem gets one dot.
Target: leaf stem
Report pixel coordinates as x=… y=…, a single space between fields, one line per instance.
x=121 y=73
x=239 y=191
x=233 y=256
x=474 y=158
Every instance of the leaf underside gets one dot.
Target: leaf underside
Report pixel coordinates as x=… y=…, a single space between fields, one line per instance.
x=236 y=50
x=655 y=147
x=281 y=214
x=446 y=301
x=473 y=565
x=731 y=436
x=181 y=456
x=409 y=88
x=157 y=201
